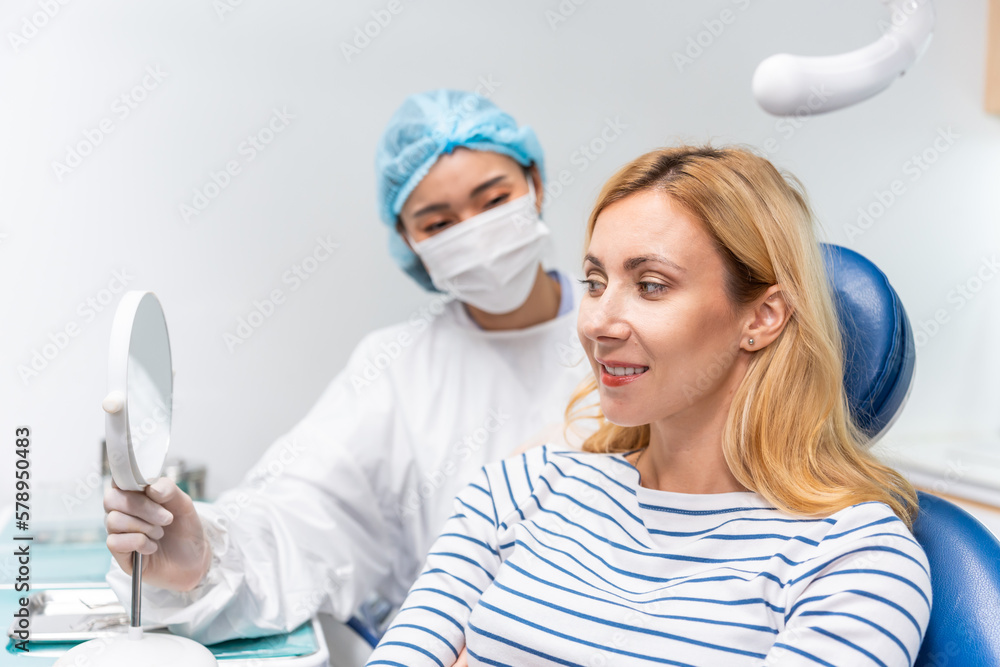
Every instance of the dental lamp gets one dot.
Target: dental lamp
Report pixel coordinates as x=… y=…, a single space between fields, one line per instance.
x=787 y=85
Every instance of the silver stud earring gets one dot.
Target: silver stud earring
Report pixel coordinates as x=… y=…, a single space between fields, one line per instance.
x=751 y=341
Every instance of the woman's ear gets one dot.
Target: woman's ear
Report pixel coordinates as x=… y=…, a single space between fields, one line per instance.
x=767 y=320
x=536 y=180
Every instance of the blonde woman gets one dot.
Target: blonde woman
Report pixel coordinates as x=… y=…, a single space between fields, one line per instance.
x=725 y=512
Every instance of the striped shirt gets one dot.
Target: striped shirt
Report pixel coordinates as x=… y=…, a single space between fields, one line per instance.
x=562 y=558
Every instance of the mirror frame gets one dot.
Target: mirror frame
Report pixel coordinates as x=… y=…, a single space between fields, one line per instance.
x=121 y=455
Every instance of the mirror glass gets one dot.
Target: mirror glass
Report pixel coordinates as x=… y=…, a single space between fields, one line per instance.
x=149 y=388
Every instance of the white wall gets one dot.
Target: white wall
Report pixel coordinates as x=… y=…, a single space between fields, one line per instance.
x=63 y=239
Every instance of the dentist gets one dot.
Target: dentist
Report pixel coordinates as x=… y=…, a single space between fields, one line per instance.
x=339 y=514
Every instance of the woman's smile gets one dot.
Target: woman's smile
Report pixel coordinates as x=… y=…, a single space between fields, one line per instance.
x=619 y=373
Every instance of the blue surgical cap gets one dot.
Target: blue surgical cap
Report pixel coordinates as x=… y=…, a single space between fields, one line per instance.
x=426 y=126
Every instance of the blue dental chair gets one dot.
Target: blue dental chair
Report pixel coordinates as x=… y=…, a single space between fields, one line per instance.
x=964 y=629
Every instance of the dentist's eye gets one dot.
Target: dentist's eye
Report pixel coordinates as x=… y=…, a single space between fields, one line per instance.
x=651 y=289
x=435 y=227
x=496 y=201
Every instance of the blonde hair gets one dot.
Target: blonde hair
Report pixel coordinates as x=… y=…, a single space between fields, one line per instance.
x=789 y=435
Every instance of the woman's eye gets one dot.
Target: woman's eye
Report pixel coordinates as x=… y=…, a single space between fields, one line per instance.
x=497 y=200
x=436 y=226
x=592 y=285
x=649 y=289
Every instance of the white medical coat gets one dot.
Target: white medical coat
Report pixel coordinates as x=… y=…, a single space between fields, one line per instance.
x=349 y=502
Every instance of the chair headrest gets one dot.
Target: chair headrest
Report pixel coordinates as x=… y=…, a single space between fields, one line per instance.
x=879 y=352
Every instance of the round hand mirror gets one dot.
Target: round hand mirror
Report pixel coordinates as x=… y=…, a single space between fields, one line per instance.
x=140 y=390
x=138 y=406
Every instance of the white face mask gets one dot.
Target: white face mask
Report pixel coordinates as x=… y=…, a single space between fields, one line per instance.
x=489 y=261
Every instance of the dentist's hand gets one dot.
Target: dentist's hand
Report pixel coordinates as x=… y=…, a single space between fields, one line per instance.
x=161 y=524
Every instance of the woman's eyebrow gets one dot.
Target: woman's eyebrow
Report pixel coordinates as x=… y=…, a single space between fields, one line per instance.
x=635 y=262
x=433 y=208
x=488 y=184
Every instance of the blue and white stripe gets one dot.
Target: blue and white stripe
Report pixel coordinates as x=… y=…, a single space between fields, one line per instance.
x=562 y=558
